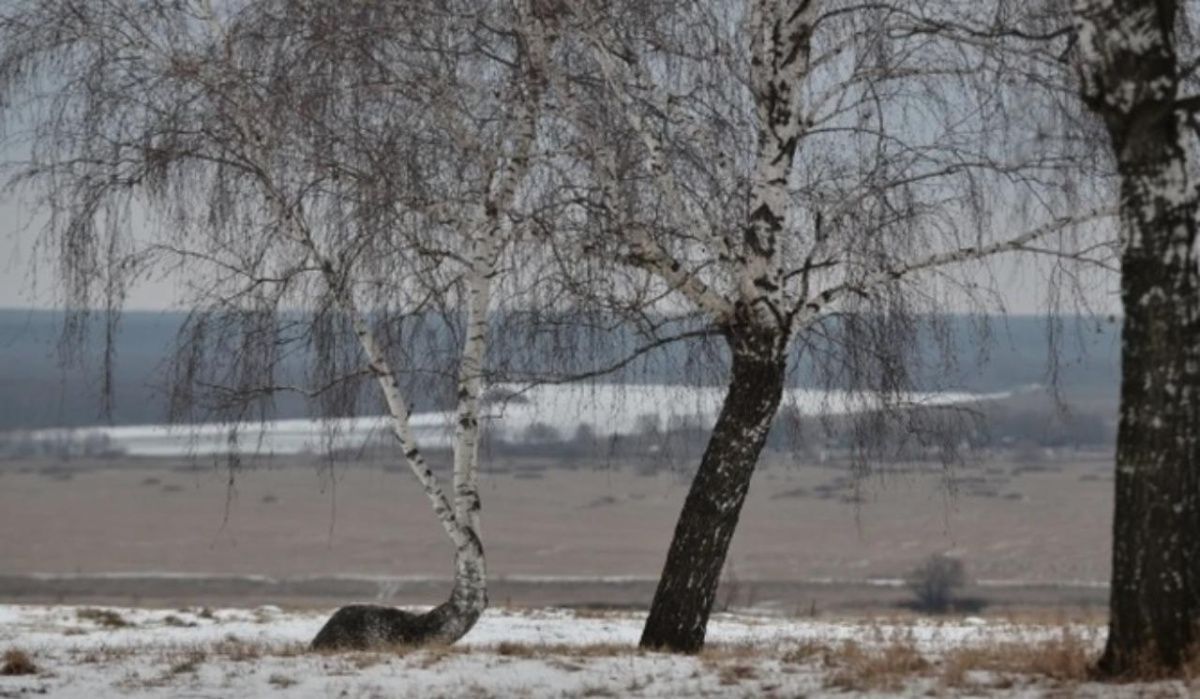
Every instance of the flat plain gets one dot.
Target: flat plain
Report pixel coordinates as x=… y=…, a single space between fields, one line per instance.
x=1031 y=532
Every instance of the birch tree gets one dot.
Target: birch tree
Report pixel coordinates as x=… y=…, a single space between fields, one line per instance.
x=319 y=174
x=788 y=171
x=1134 y=74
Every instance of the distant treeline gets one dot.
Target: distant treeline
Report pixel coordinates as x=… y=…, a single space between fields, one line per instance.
x=37 y=389
x=1027 y=426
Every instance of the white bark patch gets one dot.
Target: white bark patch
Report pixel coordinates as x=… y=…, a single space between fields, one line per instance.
x=781 y=46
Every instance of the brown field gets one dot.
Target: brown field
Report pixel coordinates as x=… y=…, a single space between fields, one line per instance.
x=1033 y=535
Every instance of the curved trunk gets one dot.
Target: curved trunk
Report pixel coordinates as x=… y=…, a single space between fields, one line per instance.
x=366 y=627
x=373 y=627
x=682 y=603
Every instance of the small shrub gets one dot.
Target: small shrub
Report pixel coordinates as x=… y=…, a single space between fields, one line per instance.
x=17 y=662
x=281 y=681
x=107 y=618
x=188 y=664
x=934 y=582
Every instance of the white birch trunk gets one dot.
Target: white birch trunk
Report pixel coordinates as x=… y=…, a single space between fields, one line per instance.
x=781 y=47
x=486 y=233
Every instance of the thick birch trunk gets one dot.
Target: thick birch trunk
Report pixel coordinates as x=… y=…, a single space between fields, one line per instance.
x=1131 y=78
x=1155 y=598
x=682 y=603
x=758 y=336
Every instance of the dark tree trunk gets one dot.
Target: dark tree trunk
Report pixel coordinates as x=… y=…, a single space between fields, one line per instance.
x=372 y=627
x=1156 y=527
x=682 y=603
x=1131 y=80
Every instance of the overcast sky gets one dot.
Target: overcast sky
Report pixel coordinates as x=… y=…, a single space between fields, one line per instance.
x=26 y=282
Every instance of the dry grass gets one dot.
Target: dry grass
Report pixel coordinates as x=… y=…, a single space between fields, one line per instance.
x=106 y=618
x=173 y=620
x=17 y=662
x=1066 y=659
x=237 y=650
x=730 y=652
x=737 y=673
x=804 y=651
x=188 y=663
x=853 y=668
x=362 y=661
x=517 y=650
x=1056 y=617
x=104 y=655
x=599 y=612
x=433 y=655
x=240 y=650
x=544 y=650
x=281 y=681
x=424 y=656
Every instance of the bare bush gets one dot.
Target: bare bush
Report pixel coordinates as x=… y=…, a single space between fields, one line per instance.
x=934 y=582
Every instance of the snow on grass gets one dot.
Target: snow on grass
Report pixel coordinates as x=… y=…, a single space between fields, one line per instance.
x=92 y=652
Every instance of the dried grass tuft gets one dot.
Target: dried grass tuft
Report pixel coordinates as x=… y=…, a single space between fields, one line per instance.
x=855 y=669
x=17 y=662
x=107 y=618
x=1066 y=659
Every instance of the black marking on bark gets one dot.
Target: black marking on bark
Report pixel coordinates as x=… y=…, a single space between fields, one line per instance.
x=764 y=214
x=766 y=284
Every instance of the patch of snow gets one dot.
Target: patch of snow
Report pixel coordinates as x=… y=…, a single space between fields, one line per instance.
x=122 y=652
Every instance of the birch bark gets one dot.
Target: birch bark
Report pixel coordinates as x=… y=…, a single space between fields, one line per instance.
x=735 y=275
x=362 y=626
x=758 y=334
x=1130 y=77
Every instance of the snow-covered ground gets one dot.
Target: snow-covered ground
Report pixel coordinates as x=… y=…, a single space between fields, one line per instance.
x=92 y=653
x=606 y=410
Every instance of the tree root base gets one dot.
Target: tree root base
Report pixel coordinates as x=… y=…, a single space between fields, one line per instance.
x=364 y=627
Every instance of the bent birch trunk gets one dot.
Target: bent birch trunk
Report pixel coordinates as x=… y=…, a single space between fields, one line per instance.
x=359 y=627
x=366 y=627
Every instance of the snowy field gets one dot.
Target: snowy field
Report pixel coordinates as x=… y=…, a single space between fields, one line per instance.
x=606 y=410
x=65 y=651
